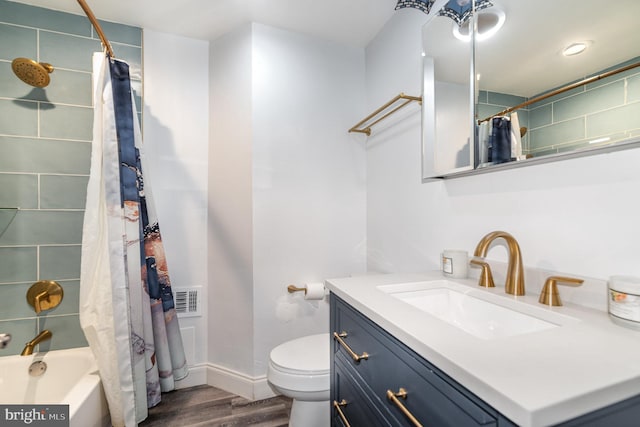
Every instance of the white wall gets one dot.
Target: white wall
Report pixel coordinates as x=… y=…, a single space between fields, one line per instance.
x=308 y=179
x=286 y=192
x=577 y=216
x=175 y=123
x=230 y=231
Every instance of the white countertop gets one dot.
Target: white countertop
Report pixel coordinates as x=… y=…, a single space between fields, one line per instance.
x=534 y=379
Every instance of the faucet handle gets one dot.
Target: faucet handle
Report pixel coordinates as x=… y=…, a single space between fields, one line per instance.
x=550 y=295
x=44 y=295
x=486 y=278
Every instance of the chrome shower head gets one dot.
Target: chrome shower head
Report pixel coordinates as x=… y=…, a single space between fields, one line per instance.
x=31 y=72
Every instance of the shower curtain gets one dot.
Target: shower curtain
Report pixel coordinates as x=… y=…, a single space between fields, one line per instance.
x=126 y=306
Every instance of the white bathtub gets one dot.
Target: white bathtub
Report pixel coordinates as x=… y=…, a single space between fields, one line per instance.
x=71 y=378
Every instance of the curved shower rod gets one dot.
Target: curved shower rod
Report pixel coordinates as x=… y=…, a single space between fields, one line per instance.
x=96 y=25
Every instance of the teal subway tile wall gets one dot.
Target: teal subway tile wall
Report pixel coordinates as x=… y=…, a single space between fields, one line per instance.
x=45 y=148
x=602 y=112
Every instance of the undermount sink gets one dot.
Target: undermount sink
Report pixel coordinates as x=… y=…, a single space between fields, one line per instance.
x=475 y=311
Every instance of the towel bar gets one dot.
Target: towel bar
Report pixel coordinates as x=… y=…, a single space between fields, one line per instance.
x=360 y=126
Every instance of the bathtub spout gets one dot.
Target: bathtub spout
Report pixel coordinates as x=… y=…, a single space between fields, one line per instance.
x=42 y=336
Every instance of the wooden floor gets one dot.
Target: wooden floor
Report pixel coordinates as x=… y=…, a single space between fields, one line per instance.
x=208 y=406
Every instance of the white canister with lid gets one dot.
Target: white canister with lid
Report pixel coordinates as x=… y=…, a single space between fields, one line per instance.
x=624 y=301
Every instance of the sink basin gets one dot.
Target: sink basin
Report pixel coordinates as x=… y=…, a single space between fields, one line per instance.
x=477 y=312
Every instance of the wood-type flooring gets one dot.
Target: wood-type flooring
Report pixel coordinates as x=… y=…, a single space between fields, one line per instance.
x=202 y=406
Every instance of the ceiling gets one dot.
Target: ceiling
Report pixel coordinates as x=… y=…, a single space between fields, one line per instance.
x=525 y=56
x=528 y=62
x=349 y=22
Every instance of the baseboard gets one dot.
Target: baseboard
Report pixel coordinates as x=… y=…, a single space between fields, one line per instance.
x=197 y=376
x=262 y=389
x=251 y=388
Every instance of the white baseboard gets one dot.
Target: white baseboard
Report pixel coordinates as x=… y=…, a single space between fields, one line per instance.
x=197 y=376
x=251 y=388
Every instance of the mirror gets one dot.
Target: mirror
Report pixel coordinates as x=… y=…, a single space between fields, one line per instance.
x=523 y=61
x=447 y=120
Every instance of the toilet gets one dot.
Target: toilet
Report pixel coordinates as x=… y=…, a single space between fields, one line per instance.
x=300 y=369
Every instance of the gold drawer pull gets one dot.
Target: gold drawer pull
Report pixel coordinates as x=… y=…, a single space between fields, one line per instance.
x=338 y=405
x=354 y=356
x=403 y=394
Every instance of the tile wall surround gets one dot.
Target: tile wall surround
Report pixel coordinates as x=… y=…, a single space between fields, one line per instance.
x=45 y=143
x=609 y=107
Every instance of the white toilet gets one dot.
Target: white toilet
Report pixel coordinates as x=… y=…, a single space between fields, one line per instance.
x=299 y=369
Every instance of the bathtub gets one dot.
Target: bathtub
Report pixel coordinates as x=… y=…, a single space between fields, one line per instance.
x=70 y=378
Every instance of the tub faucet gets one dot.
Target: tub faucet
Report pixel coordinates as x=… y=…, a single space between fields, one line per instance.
x=514 y=283
x=4 y=340
x=42 y=336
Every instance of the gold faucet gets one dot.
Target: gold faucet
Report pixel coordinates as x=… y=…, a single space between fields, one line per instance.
x=514 y=283
x=42 y=336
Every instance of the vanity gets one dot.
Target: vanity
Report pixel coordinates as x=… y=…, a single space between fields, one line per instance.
x=402 y=356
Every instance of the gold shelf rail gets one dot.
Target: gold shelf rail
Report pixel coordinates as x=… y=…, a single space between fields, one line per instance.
x=563 y=89
x=364 y=126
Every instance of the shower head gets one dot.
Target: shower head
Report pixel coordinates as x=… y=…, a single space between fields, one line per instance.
x=31 y=72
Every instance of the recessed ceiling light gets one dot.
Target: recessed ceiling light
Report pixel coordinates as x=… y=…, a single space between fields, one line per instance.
x=574 y=49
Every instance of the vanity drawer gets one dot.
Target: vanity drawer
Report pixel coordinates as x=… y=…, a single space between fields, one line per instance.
x=356 y=407
x=432 y=397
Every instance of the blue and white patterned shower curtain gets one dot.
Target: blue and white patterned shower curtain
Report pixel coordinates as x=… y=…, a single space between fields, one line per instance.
x=126 y=306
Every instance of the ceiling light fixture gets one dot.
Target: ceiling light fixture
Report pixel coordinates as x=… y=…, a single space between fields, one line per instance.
x=489 y=23
x=574 y=49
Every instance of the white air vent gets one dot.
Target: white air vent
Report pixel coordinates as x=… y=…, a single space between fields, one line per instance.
x=187 y=301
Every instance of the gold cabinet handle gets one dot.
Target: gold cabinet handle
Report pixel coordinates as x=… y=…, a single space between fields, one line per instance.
x=356 y=358
x=338 y=405
x=403 y=394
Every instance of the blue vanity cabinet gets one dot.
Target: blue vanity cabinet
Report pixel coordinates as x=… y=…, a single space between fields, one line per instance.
x=360 y=388
x=621 y=414
x=354 y=404
x=389 y=367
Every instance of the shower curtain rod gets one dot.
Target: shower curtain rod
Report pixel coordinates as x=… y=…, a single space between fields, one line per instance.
x=96 y=25
x=562 y=90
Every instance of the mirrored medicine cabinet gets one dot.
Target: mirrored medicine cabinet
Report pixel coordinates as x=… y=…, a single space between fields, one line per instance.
x=507 y=64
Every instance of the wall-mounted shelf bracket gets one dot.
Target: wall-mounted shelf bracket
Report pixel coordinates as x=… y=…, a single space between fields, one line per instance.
x=383 y=112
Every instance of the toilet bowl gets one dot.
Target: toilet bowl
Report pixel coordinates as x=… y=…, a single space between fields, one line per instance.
x=300 y=369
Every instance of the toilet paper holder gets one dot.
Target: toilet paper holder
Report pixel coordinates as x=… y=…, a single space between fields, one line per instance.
x=312 y=291
x=293 y=288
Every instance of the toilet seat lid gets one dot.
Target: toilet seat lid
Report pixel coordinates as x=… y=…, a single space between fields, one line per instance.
x=306 y=355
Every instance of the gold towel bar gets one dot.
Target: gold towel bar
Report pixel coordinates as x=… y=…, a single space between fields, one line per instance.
x=367 y=129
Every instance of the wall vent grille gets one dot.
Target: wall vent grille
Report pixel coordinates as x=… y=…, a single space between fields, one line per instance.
x=187 y=301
